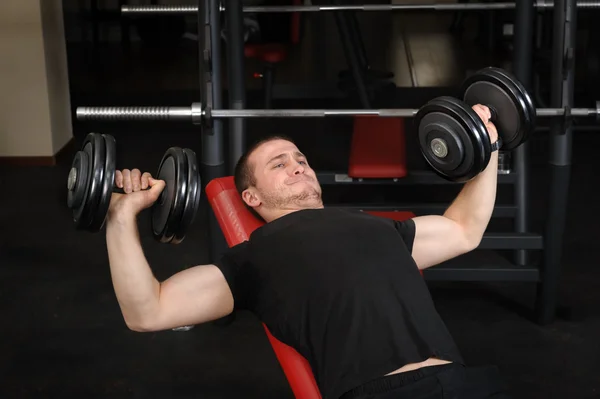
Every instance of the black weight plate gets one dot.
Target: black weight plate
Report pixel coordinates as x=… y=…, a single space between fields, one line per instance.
x=477 y=135
x=439 y=125
x=444 y=117
x=509 y=100
x=192 y=198
x=167 y=211
x=530 y=116
x=97 y=180
x=87 y=153
x=481 y=134
x=94 y=145
x=181 y=190
x=107 y=183
x=78 y=180
x=162 y=207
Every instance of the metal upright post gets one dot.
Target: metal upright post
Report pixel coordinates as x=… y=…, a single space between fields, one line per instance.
x=212 y=160
x=218 y=243
x=234 y=17
x=356 y=38
x=562 y=93
x=523 y=60
x=352 y=55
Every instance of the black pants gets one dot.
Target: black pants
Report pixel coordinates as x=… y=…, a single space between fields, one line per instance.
x=449 y=381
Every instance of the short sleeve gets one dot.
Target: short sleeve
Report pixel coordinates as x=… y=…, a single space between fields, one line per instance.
x=232 y=264
x=407 y=230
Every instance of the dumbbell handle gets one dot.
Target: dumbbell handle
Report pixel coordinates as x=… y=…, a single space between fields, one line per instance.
x=119 y=190
x=159 y=200
x=493 y=114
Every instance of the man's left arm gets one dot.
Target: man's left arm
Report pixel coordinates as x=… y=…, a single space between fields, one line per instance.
x=461 y=228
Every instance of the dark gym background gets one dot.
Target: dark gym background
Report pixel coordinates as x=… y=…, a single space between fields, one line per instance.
x=62 y=331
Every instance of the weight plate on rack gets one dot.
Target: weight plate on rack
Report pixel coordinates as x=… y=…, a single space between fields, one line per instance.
x=451 y=140
x=509 y=101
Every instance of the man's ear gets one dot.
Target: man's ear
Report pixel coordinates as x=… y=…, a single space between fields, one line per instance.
x=251 y=198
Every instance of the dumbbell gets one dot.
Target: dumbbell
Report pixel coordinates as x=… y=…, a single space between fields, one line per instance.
x=91 y=182
x=452 y=137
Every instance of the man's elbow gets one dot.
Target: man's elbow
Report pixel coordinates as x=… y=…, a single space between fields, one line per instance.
x=472 y=241
x=140 y=328
x=141 y=325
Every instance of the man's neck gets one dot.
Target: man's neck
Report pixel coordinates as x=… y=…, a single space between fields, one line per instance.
x=277 y=213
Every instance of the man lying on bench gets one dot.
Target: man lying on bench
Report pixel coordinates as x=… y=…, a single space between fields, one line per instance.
x=342 y=287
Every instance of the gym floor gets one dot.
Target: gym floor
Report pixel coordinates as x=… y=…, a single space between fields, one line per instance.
x=63 y=334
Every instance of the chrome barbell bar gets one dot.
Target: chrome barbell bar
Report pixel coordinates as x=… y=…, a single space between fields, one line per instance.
x=540 y=4
x=197 y=115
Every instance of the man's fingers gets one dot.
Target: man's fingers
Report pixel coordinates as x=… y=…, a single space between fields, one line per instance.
x=132 y=180
x=119 y=179
x=483 y=112
x=127 y=185
x=157 y=186
x=136 y=179
x=145 y=177
x=152 y=182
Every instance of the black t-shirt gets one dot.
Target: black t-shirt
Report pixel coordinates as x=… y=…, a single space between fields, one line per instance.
x=341 y=287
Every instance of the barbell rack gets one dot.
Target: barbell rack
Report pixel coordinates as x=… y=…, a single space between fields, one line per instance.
x=166 y=9
x=197 y=114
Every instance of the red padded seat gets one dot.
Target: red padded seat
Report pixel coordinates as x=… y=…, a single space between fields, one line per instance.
x=237 y=224
x=378 y=148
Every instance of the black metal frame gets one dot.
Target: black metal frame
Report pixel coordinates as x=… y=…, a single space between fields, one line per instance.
x=212 y=161
x=234 y=17
x=562 y=93
x=550 y=243
x=413 y=177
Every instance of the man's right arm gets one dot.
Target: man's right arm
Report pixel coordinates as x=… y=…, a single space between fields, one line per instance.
x=193 y=296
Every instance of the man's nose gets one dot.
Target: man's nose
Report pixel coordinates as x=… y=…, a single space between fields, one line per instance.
x=298 y=169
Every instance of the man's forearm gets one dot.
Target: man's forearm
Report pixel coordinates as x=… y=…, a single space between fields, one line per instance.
x=136 y=287
x=473 y=207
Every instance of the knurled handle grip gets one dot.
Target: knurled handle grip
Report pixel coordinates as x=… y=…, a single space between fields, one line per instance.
x=116 y=114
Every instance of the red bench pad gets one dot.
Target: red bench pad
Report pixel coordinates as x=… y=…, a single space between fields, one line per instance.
x=237 y=223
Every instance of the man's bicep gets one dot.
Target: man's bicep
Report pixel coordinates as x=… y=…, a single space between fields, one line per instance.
x=437 y=239
x=194 y=296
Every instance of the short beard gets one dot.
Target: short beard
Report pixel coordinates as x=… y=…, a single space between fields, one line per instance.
x=274 y=201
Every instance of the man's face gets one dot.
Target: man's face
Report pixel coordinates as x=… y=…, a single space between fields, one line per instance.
x=284 y=180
